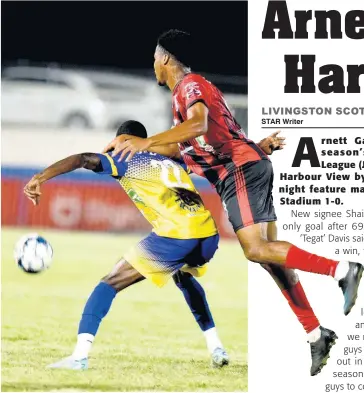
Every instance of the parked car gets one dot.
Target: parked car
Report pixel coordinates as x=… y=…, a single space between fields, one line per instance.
x=50 y=97
x=134 y=97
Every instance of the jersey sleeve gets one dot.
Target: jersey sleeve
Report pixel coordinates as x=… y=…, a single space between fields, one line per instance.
x=194 y=92
x=111 y=166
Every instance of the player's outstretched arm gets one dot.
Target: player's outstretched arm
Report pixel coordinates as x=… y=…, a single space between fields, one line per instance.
x=195 y=126
x=170 y=150
x=85 y=160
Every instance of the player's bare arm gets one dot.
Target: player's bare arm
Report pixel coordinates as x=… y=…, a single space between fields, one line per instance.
x=170 y=150
x=195 y=126
x=84 y=160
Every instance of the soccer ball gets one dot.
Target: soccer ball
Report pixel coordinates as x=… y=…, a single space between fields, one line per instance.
x=33 y=253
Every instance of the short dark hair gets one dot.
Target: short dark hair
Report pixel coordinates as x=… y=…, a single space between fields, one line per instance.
x=132 y=127
x=179 y=44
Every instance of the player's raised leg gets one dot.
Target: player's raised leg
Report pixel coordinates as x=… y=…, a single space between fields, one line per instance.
x=196 y=299
x=97 y=306
x=321 y=339
x=247 y=198
x=258 y=249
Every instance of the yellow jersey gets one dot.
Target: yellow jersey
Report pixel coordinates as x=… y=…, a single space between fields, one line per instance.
x=163 y=192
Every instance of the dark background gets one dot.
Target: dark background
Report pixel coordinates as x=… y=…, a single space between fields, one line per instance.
x=123 y=34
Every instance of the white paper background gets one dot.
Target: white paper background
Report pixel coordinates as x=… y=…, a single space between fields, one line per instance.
x=279 y=356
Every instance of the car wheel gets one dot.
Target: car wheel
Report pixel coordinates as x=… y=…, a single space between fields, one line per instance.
x=76 y=121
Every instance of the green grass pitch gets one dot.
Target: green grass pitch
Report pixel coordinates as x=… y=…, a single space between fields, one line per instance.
x=148 y=342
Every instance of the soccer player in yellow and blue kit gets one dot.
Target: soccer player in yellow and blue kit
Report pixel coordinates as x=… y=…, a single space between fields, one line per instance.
x=183 y=240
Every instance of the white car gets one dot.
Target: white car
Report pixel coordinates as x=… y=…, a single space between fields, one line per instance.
x=132 y=97
x=50 y=97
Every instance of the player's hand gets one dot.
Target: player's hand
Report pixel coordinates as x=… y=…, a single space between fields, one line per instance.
x=130 y=147
x=32 y=190
x=115 y=144
x=271 y=143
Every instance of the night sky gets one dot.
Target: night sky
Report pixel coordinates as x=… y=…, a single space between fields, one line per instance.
x=123 y=34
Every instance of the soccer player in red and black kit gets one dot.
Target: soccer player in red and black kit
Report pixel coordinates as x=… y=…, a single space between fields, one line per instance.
x=213 y=145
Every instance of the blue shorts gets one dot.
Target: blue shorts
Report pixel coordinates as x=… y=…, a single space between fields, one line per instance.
x=158 y=258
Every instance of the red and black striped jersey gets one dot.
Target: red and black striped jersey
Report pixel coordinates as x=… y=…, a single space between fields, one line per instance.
x=225 y=146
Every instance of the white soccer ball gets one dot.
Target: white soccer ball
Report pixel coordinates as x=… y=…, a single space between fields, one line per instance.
x=33 y=253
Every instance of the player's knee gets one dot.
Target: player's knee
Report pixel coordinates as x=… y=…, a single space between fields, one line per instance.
x=177 y=278
x=117 y=282
x=113 y=281
x=117 y=279
x=253 y=252
x=181 y=278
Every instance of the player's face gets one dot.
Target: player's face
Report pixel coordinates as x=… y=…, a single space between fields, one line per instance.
x=159 y=67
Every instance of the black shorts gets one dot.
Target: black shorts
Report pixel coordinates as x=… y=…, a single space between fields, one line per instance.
x=246 y=194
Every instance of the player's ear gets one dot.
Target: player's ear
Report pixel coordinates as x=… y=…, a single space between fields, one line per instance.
x=166 y=59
